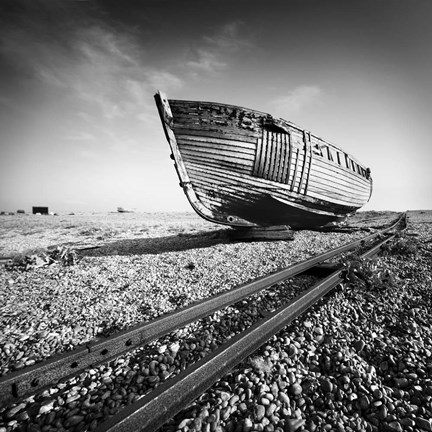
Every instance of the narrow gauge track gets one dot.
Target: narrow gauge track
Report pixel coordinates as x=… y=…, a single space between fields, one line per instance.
x=154 y=409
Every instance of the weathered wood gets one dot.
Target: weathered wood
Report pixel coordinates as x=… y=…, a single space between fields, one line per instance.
x=303 y=169
x=226 y=165
x=289 y=159
x=243 y=183
x=325 y=180
x=222 y=143
x=248 y=168
x=274 y=233
x=199 y=132
x=255 y=171
x=262 y=155
x=295 y=169
x=309 y=166
x=218 y=152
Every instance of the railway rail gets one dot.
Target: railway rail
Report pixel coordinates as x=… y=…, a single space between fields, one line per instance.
x=151 y=411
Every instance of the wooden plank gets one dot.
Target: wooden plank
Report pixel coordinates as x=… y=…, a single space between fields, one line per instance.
x=309 y=166
x=264 y=185
x=222 y=161
x=272 y=146
x=282 y=158
x=237 y=191
x=337 y=183
x=238 y=178
x=244 y=137
x=167 y=121
x=236 y=133
x=305 y=150
x=227 y=166
x=214 y=106
x=344 y=185
x=260 y=187
x=320 y=187
x=295 y=169
x=234 y=194
x=218 y=142
x=331 y=178
x=343 y=191
x=225 y=150
x=339 y=171
x=266 y=161
x=338 y=192
x=289 y=159
x=257 y=157
x=262 y=155
x=336 y=200
x=276 y=140
x=218 y=153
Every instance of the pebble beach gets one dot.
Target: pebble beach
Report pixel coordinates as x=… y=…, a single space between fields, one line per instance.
x=359 y=360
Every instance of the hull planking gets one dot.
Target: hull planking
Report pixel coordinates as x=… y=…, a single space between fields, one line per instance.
x=244 y=168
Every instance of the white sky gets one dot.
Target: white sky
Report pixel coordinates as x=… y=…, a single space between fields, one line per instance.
x=79 y=130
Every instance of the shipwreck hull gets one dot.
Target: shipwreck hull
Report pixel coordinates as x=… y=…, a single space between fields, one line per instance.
x=242 y=167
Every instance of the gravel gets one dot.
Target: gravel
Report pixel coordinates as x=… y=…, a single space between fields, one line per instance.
x=349 y=361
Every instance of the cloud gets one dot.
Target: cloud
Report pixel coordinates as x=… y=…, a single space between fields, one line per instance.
x=83 y=58
x=213 y=52
x=115 y=76
x=80 y=136
x=297 y=99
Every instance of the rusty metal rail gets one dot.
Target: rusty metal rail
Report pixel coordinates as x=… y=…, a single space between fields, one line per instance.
x=60 y=367
x=157 y=407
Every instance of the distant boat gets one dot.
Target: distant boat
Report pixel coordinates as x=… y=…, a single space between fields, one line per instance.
x=123 y=210
x=245 y=168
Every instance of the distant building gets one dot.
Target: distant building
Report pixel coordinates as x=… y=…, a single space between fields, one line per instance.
x=20 y=211
x=40 y=210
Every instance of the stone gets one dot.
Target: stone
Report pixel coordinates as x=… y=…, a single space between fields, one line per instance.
x=292 y=350
x=225 y=413
x=242 y=407
x=394 y=426
x=295 y=389
x=292 y=425
x=74 y=420
x=423 y=423
x=326 y=385
x=364 y=402
x=283 y=397
x=13 y=411
x=359 y=345
x=185 y=422
x=264 y=401
x=247 y=425
x=46 y=406
x=270 y=410
x=383 y=412
x=407 y=422
x=259 y=412
x=174 y=347
x=22 y=416
x=401 y=382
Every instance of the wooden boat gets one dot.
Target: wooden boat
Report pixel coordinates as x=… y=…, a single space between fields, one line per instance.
x=245 y=168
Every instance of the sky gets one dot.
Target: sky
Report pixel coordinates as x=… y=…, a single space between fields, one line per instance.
x=79 y=129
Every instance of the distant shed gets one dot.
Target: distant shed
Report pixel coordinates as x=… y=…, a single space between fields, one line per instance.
x=40 y=210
